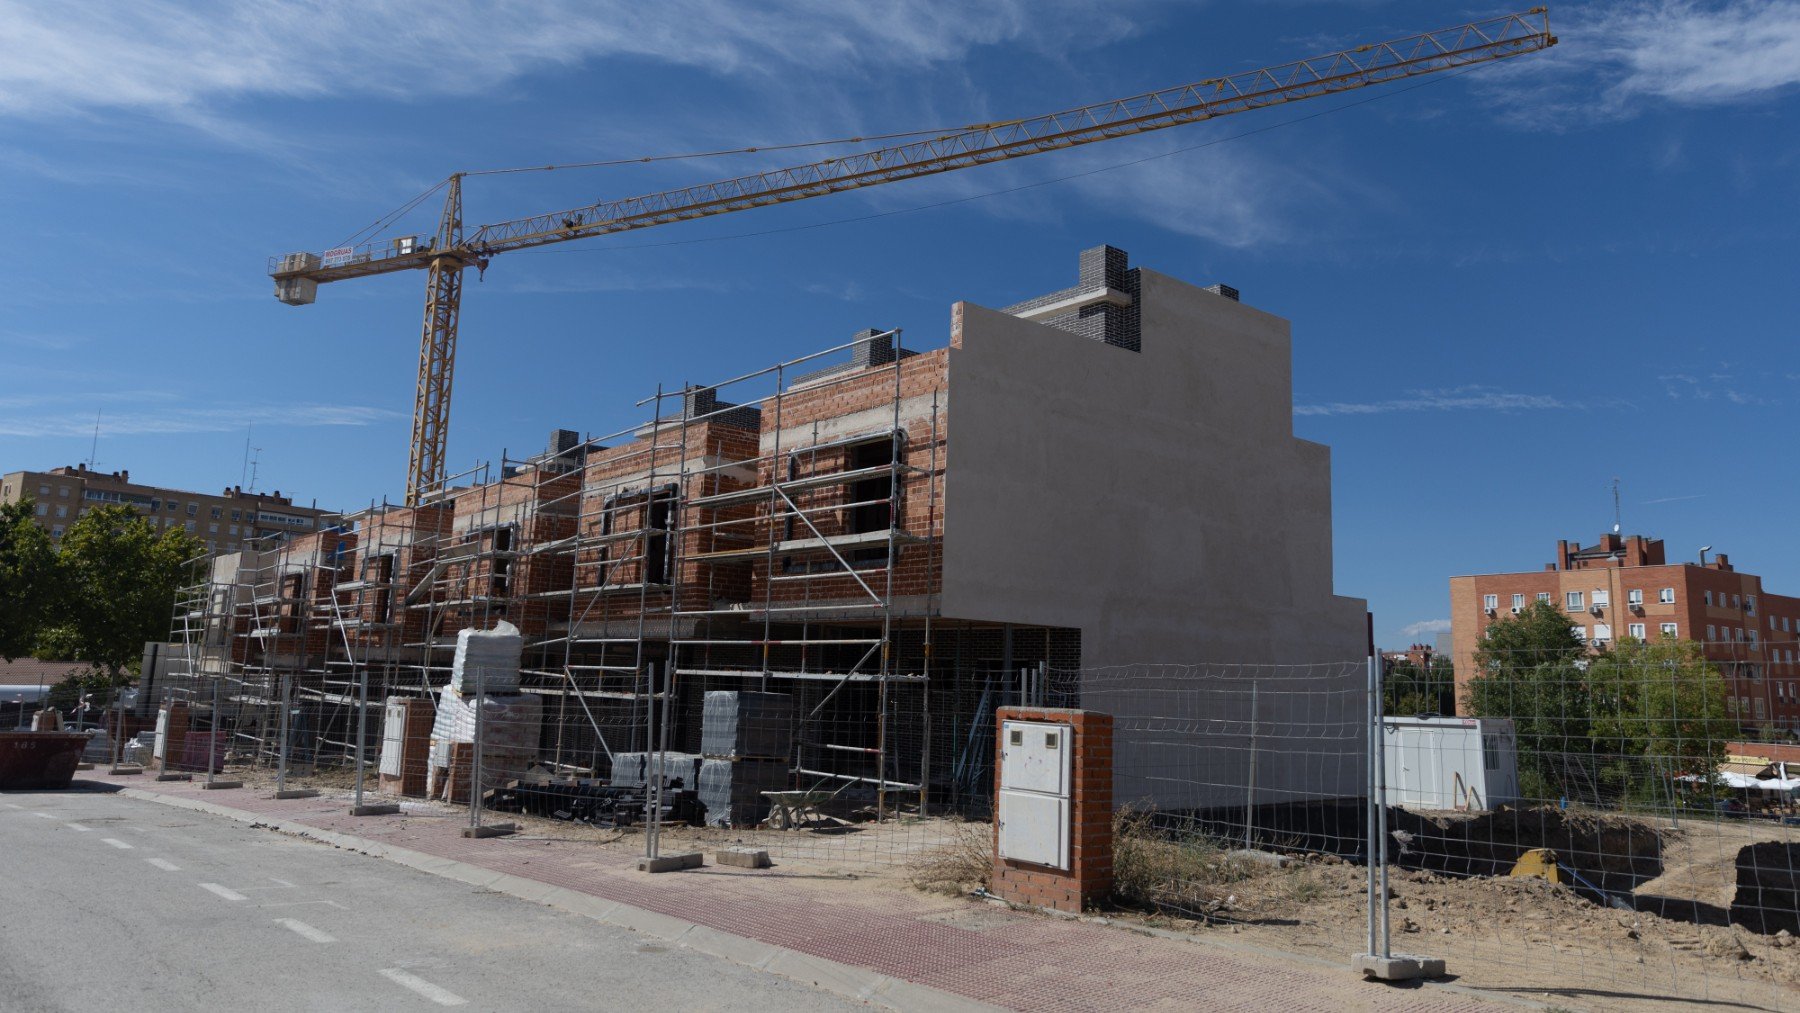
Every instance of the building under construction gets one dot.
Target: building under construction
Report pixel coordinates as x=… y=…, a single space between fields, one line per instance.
x=1121 y=484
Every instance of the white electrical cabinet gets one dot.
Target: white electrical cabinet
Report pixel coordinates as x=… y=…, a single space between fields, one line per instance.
x=1035 y=782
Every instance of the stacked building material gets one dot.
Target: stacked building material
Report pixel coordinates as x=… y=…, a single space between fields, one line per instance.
x=483 y=694
x=632 y=770
x=746 y=738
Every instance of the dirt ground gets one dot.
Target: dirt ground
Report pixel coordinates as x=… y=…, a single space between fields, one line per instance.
x=1525 y=935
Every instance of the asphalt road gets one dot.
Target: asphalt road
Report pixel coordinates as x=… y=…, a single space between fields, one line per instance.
x=110 y=903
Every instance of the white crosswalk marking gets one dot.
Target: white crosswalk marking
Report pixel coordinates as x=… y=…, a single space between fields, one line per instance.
x=305 y=930
x=441 y=996
x=79 y=827
x=164 y=864
x=223 y=891
x=115 y=842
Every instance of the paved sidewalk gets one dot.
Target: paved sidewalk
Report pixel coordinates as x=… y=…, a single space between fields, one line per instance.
x=891 y=946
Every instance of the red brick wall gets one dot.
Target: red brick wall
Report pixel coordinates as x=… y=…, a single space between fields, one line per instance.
x=1089 y=878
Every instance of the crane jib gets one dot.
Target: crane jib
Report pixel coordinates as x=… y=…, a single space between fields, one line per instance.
x=299 y=275
x=1506 y=36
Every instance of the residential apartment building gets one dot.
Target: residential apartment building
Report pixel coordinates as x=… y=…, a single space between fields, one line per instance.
x=225 y=521
x=1624 y=586
x=887 y=536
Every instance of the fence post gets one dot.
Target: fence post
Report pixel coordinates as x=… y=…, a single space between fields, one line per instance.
x=1380 y=961
x=475 y=751
x=1250 y=780
x=653 y=766
x=281 y=759
x=657 y=766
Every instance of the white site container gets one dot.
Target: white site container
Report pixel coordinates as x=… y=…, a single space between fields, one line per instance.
x=1035 y=784
x=1450 y=763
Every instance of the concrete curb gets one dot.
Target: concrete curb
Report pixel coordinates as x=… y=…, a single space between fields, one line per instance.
x=857 y=983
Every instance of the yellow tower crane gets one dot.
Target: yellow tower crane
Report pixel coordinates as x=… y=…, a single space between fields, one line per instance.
x=447 y=254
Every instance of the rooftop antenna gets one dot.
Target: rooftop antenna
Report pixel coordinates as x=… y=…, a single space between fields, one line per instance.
x=245 y=476
x=253 y=462
x=94 y=449
x=1615 y=504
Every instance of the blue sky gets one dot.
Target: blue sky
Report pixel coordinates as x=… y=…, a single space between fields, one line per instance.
x=1507 y=288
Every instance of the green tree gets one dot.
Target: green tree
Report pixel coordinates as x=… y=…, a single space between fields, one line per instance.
x=1409 y=689
x=1660 y=710
x=1529 y=669
x=28 y=579
x=119 y=581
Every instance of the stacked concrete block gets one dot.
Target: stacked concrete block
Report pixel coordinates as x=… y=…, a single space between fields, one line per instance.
x=633 y=770
x=736 y=724
x=746 y=738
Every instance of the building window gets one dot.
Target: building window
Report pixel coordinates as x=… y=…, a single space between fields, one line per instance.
x=1669 y=630
x=212 y=529
x=43 y=490
x=1490 y=601
x=1666 y=596
x=1602 y=632
x=1575 y=600
x=1750 y=635
x=1543 y=596
x=1750 y=604
x=193 y=509
x=1580 y=633
x=62 y=511
x=1635 y=630
x=190 y=527
x=236 y=515
x=56 y=532
x=1711 y=633
x=43 y=509
x=63 y=491
x=217 y=513
x=1761 y=708
x=1635 y=596
x=1707 y=597
x=1602 y=597
x=1518 y=604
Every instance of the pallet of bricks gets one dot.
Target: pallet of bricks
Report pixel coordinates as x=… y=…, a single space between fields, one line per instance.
x=483 y=699
x=746 y=739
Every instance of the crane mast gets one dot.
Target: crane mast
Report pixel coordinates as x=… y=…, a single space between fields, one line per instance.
x=447 y=254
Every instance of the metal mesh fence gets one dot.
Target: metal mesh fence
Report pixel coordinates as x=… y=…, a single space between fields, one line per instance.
x=1598 y=824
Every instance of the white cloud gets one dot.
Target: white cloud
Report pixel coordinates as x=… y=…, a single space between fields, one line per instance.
x=1617 y=58
x=1419 y=629
x=217 y=418
x=1452 y=399
x=177 y=57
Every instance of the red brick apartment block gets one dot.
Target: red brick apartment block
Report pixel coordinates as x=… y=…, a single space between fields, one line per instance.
x=1089 y=877
x=1624 y=586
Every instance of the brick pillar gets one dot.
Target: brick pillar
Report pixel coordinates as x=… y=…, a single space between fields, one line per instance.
x=1089 y=878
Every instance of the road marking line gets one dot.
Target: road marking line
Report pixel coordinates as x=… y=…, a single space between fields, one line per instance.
x=43 y=816
x=306 y=930
x=223 y=891
x=77 y=826
x=441 y=996
x=283 y=882
x=299 y=903
x=14 y=805
x=115 y=842
x=164 y=864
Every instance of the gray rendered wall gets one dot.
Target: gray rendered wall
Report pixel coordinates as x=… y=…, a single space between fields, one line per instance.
x=1157 y=500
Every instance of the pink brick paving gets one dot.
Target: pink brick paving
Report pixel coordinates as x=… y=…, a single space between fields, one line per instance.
x=1009 y=959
